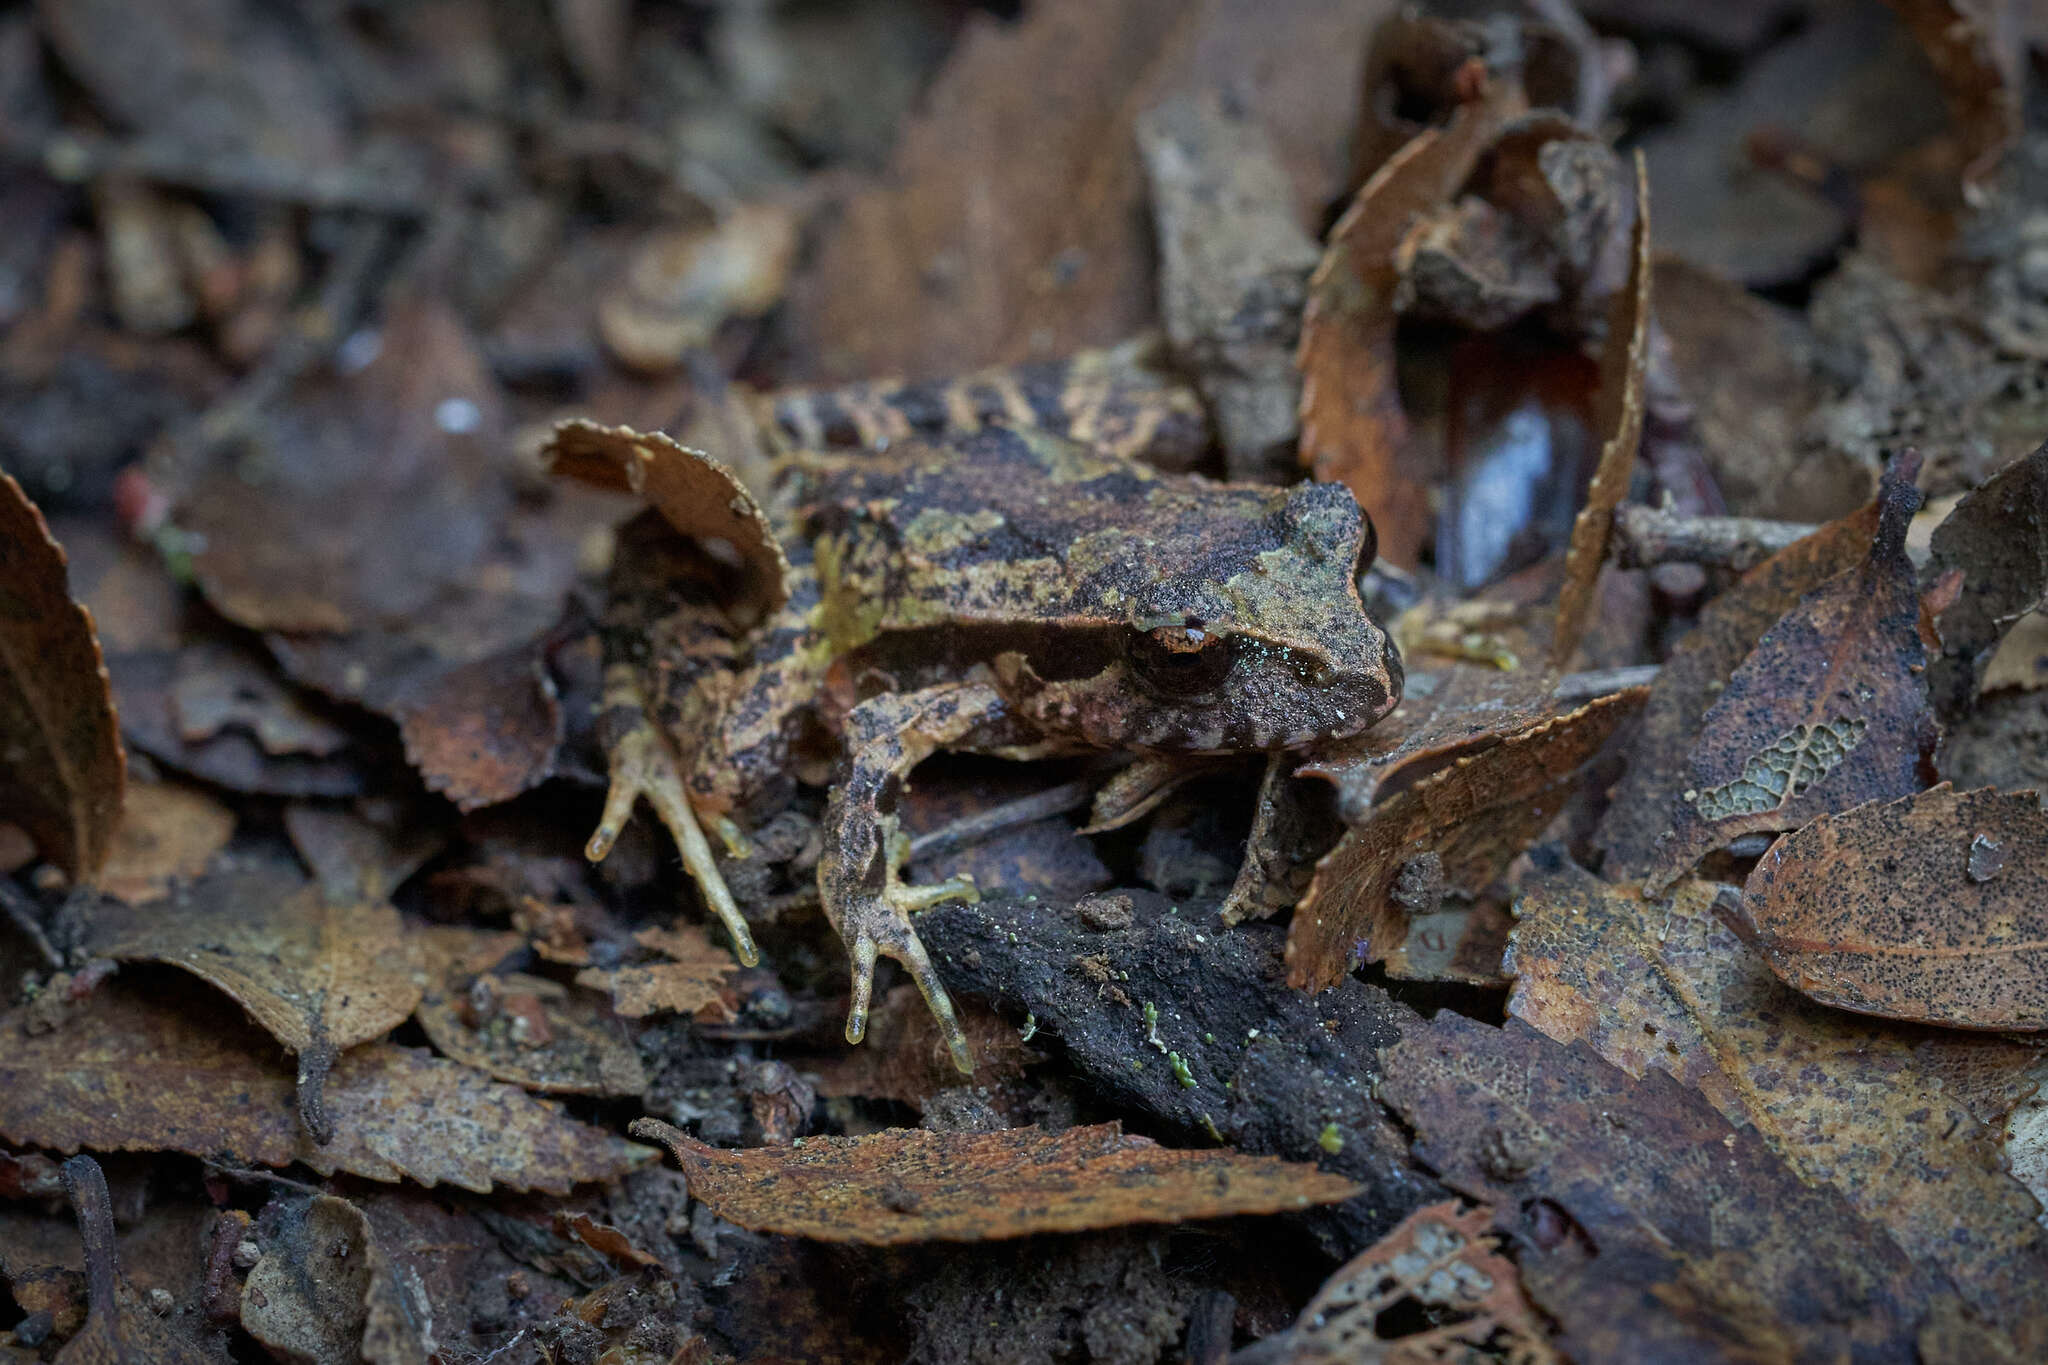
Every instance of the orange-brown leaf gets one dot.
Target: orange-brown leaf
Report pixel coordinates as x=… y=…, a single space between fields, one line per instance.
x=1353 y=429
x=693 y=980
x=486 y=731
x=1624 y=367
x=62 y=767
x=915 y=1185
x=1932 y=908
x=1475 y=815
x=169 y=833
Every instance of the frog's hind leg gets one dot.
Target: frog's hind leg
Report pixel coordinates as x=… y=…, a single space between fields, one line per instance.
x=886 y=737
x=643 y=763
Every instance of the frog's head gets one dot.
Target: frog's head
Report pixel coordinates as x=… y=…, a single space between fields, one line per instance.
x=1254 y=641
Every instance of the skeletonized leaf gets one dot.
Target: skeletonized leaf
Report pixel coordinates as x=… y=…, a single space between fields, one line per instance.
x=1827 y=712
x=1474 y=816
x=1624 y=367
x=62 y=768
x=169 y=1068
x=916 y=1185
x=1932 y=908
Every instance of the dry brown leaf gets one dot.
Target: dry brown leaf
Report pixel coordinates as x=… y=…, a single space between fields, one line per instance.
x=1828 y=711
x=170 y=1068
x=319 y=976
x=169 y=833
x=324 y=1293
x=1441 y=1285
x=487 y=731
x=1880 y=1111
x=402 y=455
x=1352 y=427
x=696 y=494
x=1474 y=816
x=915 y=1185
x=909 y=1061
x=1648 y=1227
x=2021 y=660
x=365 y=853
x=1982 y=62
x=529 y=1031
x=1697 y=671
x=1932 y=908
x=605 y=1240
x=682 y=283
x=1998 y=537
x=693 y=981
x=1624 y=369
x=61 y=764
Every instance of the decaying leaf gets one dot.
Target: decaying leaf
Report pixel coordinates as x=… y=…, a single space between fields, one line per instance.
x=324 y=1293
x=1875 y=1109
x=61 y=764
x=169 y=833
x=527 y=1030
x=318 y=975
x=1474 y=815
x=1647 y=1227
x=683 y=282
x=1352 y=427
x=1932 y=908
x=915 y=1185
x=697 y=495
x=1697 y=672
x=487 y=731
x=692 y=981
x=1624 y=369
x=1828 y=711
x=1998 y=537
x=168 y=1068
x=365 y=853
x=1441 y=1283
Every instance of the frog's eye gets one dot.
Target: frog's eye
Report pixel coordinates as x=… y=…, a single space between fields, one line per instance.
x=1182 y=663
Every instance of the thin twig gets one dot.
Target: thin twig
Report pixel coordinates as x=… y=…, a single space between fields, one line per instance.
x=1648 y=536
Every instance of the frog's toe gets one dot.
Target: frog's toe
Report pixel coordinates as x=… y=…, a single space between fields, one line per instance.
x=896 y=939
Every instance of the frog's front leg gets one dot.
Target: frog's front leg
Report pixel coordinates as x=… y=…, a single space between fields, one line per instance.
x=886 y=737
x=644 y=763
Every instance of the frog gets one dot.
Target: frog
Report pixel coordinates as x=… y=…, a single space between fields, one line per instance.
x=1006 y=592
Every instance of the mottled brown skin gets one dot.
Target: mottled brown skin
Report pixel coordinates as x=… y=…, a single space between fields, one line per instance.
x=1007 y=592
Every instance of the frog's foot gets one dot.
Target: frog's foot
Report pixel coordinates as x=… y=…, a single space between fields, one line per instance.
x=886 y=737
x=643 y=764
x=879 y=926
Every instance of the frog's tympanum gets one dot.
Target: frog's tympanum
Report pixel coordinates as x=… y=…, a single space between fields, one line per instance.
x=1008 y=593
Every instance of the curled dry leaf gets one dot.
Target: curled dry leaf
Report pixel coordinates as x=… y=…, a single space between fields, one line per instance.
x=915 y=1185
x=1932 y=908
x=1998 y=537
x=318 y=975
x=1624 y=368
x=692 y=981
x=532 y=1032
x=169 y=833
x=1441 y=1266
x=1474 y=815
x=1877 y=1110
x=61 y=764
x=323 y=1290
x=1352 y=427
x=170 y=1069
x=1827 y=712
x=1648 y=1227
x=486 y=731
x=1697 y=671
x=697 y=495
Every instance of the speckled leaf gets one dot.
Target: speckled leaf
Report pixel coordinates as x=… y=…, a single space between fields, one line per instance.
x=916 y=1185
x=1624 y=370
x=1828 y=711
x=692 y=980
x=1932 y=908
x=1474 y=815
x=1998 y=537
x=167 y=1067
x=62 y=767
x=1903 y=1121
x=1648 y=1228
